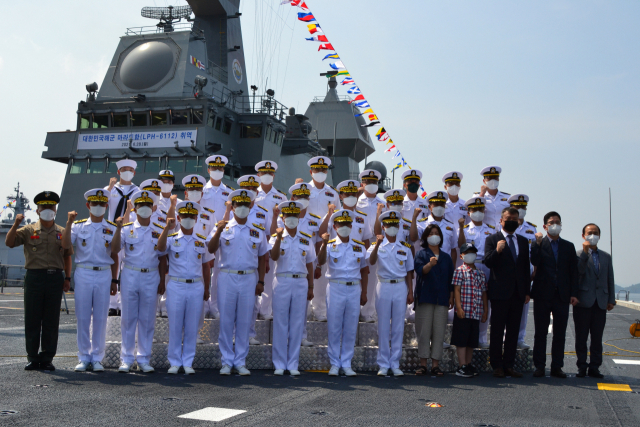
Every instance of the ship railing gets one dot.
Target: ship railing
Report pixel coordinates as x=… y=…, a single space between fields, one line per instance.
x=243 y=104
x=218 y=72
x=181 y=26
x=625 y=293
x=340 y=98
x=11 y=276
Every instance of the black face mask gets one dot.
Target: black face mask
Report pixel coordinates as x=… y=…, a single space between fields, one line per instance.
x=413 y=187
x=510 y=226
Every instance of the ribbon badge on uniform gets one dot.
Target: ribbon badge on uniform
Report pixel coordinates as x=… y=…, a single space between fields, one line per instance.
x=254 y=233
x=357 y=248
x=304 y=241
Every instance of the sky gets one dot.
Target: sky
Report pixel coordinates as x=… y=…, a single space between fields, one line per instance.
x=548 y=90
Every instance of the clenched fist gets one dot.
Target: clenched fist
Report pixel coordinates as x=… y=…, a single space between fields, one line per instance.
x=379 y=239
x=19 y=219
x=279 y=232
x=173 y=200
x=119 y=221
x=538 y=237
x=501 y=245
x=71 y=216
x=325 y=238
x=433 y=261
x=461 y=222
x=171 y=223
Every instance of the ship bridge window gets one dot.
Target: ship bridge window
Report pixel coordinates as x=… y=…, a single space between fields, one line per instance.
x=152 y=166
x=218 y=125
x=139 y=119
x=96 y=166
x=197 y=117
x=251 y=131
x=226 y=127
x=194 y=165
x=119 y=120
x=211 y=120
x=100 y=121
x=85 y=121
x=77 y=167
x=176 y=165
x=280 y=138
x=159 y=118
x=113 y=168
x=180 y=117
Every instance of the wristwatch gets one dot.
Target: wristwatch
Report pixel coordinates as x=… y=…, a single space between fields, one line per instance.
x=116 y=281
x=261 y=282
x=67 y=278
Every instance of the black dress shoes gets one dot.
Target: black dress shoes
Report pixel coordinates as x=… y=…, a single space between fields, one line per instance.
x=47 y=366
x=595 y=373
x=582 y=372
x=539 y=373
x=558 y=373
x=32 y=366
x=113 y=312
x=510 y=372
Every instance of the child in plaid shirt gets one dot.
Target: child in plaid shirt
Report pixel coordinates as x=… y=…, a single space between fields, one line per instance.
x=470 y=293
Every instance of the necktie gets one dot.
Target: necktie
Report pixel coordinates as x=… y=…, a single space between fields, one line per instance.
x=595 y=261
x=512 y=246
x=122 y=204
x=554 y=247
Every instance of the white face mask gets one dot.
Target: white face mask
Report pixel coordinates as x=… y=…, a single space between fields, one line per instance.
x=554 y=229
x=591 y=238
x=126 y=175
x=47 y=215
x=144 y=211
x=166 y=188
x=453 y=190
x=477 y=216
x=396 y=208
x=194 y=196
x=469 y=258
x=371 y=188
x=350 y=201
x=266 y=179
x=304 y=202
x=216 y=175
x=438 y=211
x=319 y=176
x=187 y=223
x=241 y=211
x=97 y=210
x=344 y=231
x=493 y=184
x=433 y=240
x=391 y=231
x=522 y=213
x=291 y=222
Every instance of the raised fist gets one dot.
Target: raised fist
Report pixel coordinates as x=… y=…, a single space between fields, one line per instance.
x=112 y=182
x=220 y=226
x=417 y=212
x=173 y=200
x=501 y=245
x=279 y=232
x=71 y=216
x=433 y=261
x=483 y=190
x=461 y=222
x=332 y=208
x=19 y=219
x=129 y=205
x=379 y=239
x=538 y=237
x=379 y=208
x=119 y=221
x=276 y=211
x=325 y=238
x=171 y=223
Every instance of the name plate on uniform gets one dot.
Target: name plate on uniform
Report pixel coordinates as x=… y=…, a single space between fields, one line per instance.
x=117 y=140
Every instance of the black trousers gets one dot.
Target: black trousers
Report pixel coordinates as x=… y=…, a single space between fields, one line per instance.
x=42 y=297
x=587 y=321
x=542 y=309
x=504 y=315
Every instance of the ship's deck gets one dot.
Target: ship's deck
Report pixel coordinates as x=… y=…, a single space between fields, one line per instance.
x=68 y=398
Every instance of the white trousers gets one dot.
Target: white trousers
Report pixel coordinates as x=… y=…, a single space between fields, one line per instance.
x=184 y=306
x=523 y=323
x=289 y=311
x=343 y=310
x=205 y=305
x=266 y=300
x=391 y=303
x=319 y=302
x=92 y=302
x=484 y=326
x=410 y=312
x=212 y=302
x=236 y=298
x=139 y=298
x=369 y=309
x=115 y=301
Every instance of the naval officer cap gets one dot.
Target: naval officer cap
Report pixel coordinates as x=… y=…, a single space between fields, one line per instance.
x=370 y=174
x=412 y=174
x=468 y=247
x=188 y=208
x=151 y=185
x=319 y=162
x=300 y=189
x=46 y=198
x=348 y=186
x=126 y=163
x=217 y=161
x=343 y=216
x=167 y=174
x=242 y=196
x=266 y=166
x=519 y=200
x=249 y=181
x=453 y=176
x=390 y=218
x=395 y=196
x=97 y=195
x=474 y=202
x=144 y=196
x=491 y=171
x=290 y=207
x=437 y=196
x=193 y=182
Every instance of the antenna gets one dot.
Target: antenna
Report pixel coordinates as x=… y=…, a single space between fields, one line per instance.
x=167 y=15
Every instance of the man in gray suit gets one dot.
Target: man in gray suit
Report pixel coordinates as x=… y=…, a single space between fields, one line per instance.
x=596 y=293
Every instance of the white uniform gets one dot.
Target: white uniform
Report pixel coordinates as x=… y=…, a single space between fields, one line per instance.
x=493 y=207
x=185 y=292
x=528 y=231
x=453 y=212
x=345 y=261
x=370 y=207
x=449 y=236
x=394 y=262
x=164 y=204
x=92 y=280
x=205 y=223
x=477 y=236
x=319 y=201
x=240 y=247
x=139 y=288
x=408 y=206
x=214 y=198
x=290 y=287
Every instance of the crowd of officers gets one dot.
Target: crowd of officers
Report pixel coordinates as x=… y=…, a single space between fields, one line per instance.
x=339 y=254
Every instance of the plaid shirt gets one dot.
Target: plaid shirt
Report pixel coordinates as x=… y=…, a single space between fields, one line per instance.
x=472 y=283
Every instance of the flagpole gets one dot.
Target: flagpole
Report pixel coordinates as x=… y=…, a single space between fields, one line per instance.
x=393 y=180
x=610 y=226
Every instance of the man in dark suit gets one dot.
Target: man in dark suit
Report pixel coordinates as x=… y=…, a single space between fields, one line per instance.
x=555 y=287
x=507 y=256
x=596 y=292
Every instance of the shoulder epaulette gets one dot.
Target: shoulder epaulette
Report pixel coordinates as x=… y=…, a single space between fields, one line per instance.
x=258 y=226
x=423 y=219
x=491 y=226
x=274 y=234
x=332 y=240
x=445 y=219
x=361 y=213
x=315 y=216
x=466 y=226
x=171 y=235
x=408 y=220
x=334 y=188
x=508 y=194
x=374 y=243
x=263 y=208
x=281 y=192
x=406 y=244
x=129 y=223
x=532 y=224
x=201 y=236
x=80 y=221
x=231 y=188
x=208 y=210
x=163 y=212
x=112 y=223
x=157 y=225
x=358 y=242
x=305 y=234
